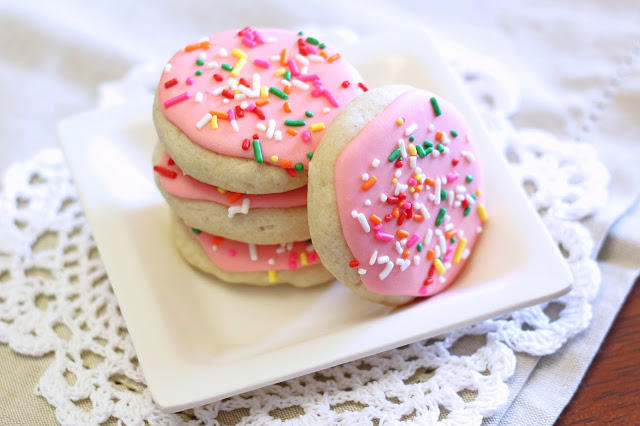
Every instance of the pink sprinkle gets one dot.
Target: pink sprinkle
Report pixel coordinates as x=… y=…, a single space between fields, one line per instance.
x=412 y=182
x=384 y=236
x=423 y=291
x=293 y=67
x=414 y=239
x=232 y=252
x=190 y=81
x=317 y=92
x=449 y=254
x=308 y=77
x=331 y=98
x=406 y=205
x=452 y=176
x=377 y=227
x=248 y=42
x=292 y=265
x=311 y=49
x=231 y=114
x=261 y=63
x=312 y=256
x=306 y=136
x=183 y=97
x=258 y=37
x=250 y=107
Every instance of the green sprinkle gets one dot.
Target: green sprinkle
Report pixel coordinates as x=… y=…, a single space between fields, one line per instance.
x=473 y=196
x=467 y=211
x=443 y=194
x=199 y=62
x=453 y=240
x=198 y=72
x=309 y=155
x=299 y=167
x=436 y=107
x=411 y=139
x=421 y=151
x=257 y=151
x=287 y=75
x=439 y=147
x=226 y=67
x=322 y=45
x=196 y=230
x=313 y=40
x=307 y=241
x=428 y=151
x=441 y=214
x=279 y=93
x=419 y=246
x=308 y=114
x=428 y=143
x=394 y=155
x=469 y=178
x=454 y=133
x=295 y=123
x=300 y=33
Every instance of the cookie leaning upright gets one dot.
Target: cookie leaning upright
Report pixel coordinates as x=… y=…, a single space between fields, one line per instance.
x=246 y=110
x=396 y=195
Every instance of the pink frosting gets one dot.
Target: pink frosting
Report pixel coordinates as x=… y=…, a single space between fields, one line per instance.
x=183 y=186
x=317 y=88
x=236 y=256
x=403 y=237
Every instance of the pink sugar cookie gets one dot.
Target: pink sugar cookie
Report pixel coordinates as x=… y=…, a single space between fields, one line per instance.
x=396 y=195
x=246 y=109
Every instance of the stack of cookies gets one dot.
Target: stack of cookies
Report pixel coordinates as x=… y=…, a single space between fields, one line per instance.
x=239 y=115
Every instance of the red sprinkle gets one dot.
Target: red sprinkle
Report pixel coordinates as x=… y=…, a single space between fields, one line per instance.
x=227 y=94
x=255 y=136
x=354 y=263
x=398 y=164
x=346 y=84
x=245 y=144
x=392 y=200
x=465 y=203
x=402 y=196
x=218 y=77
x=239 y=111
x=291 y=171
x=165 y=172
x=362 y=86
x=402 y=217
x=244 y=31
x=171 y=162
x=244 y=82
x=455 y=162
x=388 y=218
x=170 y=83
x=258 y=112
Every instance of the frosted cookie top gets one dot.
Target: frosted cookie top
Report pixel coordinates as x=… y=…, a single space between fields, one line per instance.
x=409 y=195
x=264 y=94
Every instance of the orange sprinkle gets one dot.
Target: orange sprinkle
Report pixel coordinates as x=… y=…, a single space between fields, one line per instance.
x=375 y=219
x=222 y=115
x=202 y=45
x=287 y=90
x=215 y=240
x=430 y=255
x=418 y=217
x=284 y=57
x=287 y=107
x=233 y=197
x=418 y=188
x=292 y=132
x=285 y=164
x=323 y=54
x=262 y=102
x=396 y=212
x=369 y=183
x=402 y=233
x=406 y=254
x=333 y=58
x=430 y=181
x=439 y=135
x=451 y=233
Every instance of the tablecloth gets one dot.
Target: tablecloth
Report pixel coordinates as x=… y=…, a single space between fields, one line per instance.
x=578 y=63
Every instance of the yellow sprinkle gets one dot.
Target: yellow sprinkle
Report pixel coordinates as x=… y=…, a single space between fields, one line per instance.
x=417 y=177
x=482 y=212
x=280 y=72
x=412 y=149
x=394 y=180
x=478 y=192
x=303 y=258
x=274 y=158
x=400 y=121
x=412 y=190
x=238 y=67
x=458 y=254
x=264 y=92
x=239 y=53
x=439 y=266
x=222 y=190
x=272 y=276
x=214 y=122
x=317 y=127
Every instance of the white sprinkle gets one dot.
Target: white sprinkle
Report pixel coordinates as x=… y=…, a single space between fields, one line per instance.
x=431 y=196
x=436 y=191
x=309 y=248
x=445 y=150
x=204 y=120
x=448 y=227
x=375 y=163
x=435 y=153
x=403 y=241
x=271 y=261
x=403 y=149
x=199 y=97
x=373 y=257
x=326 y=110
x=300 y=84
x=239 y=96
x=363 y=222
x=301 y=59
x=280 y=250
x=457 y=204
x=446 y=219
x=383 y=198
x=244 y=209
x=444 y=180
x=225 y=101
x=214 y=248
x=223 y=52
x=398 y=173
x=416 y=195
x=386 y=271
x=465 y=253
x=246 y=92
x=278 y=135
x=438 y=232
x=443 y=244
x=361 y=271
x=413 y=161
x=354 y=213
x=424 y=211
x=365 y=177
x=398 y=247
x=461 y=233
x=167 y=68
x=253 y=253
x=447 y=265
x=442 y=279
x=416 y=260
x=271 y=129
x=205 y=38
x=261 y=127
x=427 y=238
x=400 y=188
x=275 y=58
x=411 y=129
x=406 y=263
x=470 y=199
x=289 y=246
x=431 y=127
x=244 y=104
x=212 y=65
x=272 y=40
x=285 y=82
x=235 y=126
x=468 y=156
x=233 y=83
x=451 y=198
x=255 y=84
x=383 y=259
x=437 y=251
x=460 y=189
x=304 y=70
x=315 y=58
x=478 y=230
x=367 y=203
x=217 y=91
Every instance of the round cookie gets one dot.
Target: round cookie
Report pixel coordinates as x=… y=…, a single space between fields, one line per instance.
x=232 y=262
x=245 y=110
x=395 y=195
x=258 y=218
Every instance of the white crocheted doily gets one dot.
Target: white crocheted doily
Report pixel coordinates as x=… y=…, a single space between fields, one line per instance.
x=55 y=296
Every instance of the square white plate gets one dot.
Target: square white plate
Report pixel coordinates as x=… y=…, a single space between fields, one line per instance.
x=199 y=340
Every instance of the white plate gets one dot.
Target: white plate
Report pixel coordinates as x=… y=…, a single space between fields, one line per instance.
x=199 y=340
